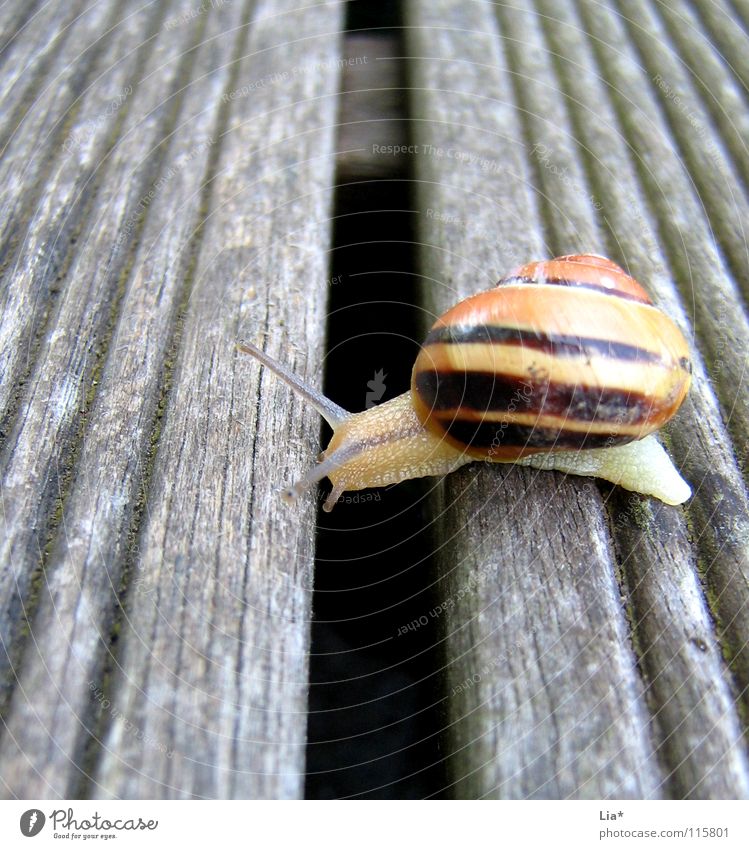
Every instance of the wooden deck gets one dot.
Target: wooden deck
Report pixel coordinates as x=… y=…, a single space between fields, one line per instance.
x=168 y=178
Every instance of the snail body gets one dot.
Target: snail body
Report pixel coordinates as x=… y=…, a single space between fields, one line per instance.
x=565 y=365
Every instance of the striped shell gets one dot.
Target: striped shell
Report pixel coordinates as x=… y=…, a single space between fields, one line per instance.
x=564 y=354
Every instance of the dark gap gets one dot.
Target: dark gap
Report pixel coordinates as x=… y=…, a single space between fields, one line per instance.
x=375 y=16
x=375 y=707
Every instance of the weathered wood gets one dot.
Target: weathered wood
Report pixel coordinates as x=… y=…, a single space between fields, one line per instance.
x=719 y=513
x=741 y=8
x=706 y=142
x=50 y=170
x=724 y=98
x=689 y=695
x=40 y=450
x=725 y=30
x=706 y=284
x=35 y=120
x=57 y=410
x=544 y=695
x=224 y=564
x=50 y=748
x=14 y=18
x=43 y=38
x=695 y=726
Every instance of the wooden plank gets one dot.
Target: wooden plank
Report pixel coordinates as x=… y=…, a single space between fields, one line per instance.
x=41 y=446
x=595 y=641
x=706 y=142
x=742 y=11
x=544 y=695
x=719 y=514
x=14 y=18
x=724 y=98
x=689 y=691
x=223 y=561
x=725 y=30
x=65 y=156
x=44 y=742
x=36 y=113
x=25 y=58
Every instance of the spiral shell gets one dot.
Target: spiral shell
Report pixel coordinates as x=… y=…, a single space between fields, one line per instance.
x=563 y=354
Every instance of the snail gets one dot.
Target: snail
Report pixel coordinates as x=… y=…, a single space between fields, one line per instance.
x=566 y=364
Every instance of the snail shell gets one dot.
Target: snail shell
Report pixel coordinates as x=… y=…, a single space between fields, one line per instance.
x=563 y=354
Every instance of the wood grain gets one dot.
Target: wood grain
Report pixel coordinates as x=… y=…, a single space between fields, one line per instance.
x=708 y=289
x=719 y=512
x=710 y=141
x=742 y=11
x=13 y=20
x=724 y=29
x=34 y=45
x=52 y=407
x=50 y=171
x=659 y=559
x=60 y=406
x=721 y=98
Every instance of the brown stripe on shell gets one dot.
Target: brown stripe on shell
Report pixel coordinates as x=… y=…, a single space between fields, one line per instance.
x=490 y=392
x=508 y=439
x=556 y=344
x=567 y=313
x=658 y=380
